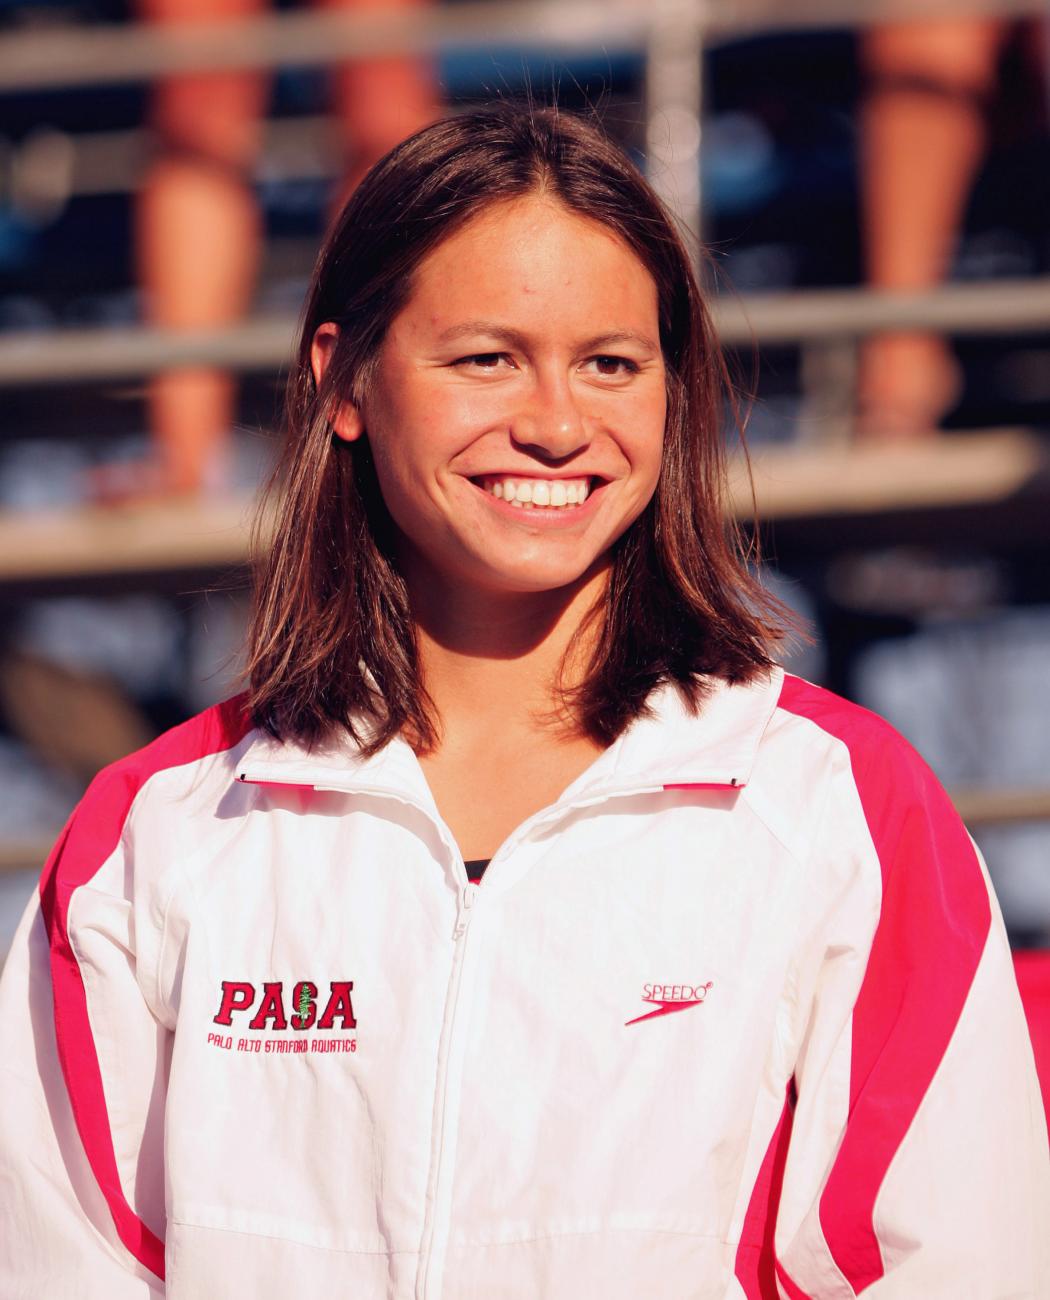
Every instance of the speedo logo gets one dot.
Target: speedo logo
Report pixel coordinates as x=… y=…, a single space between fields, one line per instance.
x=666 y=998
x=238 y=997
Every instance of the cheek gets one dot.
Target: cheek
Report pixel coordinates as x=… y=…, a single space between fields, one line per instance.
x=452 y=419
x=645 y=438
x=410 y=446
x=420 y=431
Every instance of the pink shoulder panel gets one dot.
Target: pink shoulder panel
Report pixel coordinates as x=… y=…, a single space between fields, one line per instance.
x=933 y=925
x=89 y=839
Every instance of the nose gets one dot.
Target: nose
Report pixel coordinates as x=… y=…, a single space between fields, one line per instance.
x=550 y=423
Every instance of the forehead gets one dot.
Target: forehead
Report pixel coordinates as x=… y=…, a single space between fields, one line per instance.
x=532 y=261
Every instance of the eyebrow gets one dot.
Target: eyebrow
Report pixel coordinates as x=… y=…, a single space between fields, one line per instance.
x=496 y=331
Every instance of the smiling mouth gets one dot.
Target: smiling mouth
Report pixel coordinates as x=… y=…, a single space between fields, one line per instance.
x=537 y=493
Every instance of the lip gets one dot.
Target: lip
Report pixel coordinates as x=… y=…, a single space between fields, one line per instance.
x=570 y=476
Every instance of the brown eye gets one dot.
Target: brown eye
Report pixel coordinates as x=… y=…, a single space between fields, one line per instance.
x=483 y=360
x=614 y=366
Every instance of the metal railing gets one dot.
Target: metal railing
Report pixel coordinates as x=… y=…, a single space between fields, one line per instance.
x=149 y=540
x=93 y=55
x=671 y=34
x=265 y=343
x=978 y=809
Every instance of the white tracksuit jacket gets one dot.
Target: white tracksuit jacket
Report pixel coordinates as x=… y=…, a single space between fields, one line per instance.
x=735 y=1017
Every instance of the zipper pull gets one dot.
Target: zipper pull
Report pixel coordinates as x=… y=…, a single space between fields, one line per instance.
x=466 y=902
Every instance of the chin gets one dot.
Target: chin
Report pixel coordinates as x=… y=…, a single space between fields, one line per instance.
x=531 y=579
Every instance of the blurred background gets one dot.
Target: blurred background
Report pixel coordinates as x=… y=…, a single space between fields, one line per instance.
x=872 y=183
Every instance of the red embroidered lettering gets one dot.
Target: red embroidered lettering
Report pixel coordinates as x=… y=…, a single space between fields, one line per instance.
x=270 y=1008
x=236 y=996
x=339 y=1004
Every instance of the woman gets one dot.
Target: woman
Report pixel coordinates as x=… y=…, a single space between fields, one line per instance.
x=730 y=1012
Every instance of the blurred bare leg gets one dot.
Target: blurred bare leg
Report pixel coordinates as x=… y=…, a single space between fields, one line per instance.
x=923 y=135
x=377 y=103
x=198 y=238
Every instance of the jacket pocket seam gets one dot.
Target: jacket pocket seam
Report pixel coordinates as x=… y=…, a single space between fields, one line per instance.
x=293 y=1241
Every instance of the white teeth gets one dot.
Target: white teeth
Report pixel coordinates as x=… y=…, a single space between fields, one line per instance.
x=542 y=494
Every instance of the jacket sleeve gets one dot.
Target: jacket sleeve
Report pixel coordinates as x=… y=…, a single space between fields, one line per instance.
x=917 y=1164
x=83 y=1068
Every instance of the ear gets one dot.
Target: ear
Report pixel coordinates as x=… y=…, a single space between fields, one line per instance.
x=347 y=423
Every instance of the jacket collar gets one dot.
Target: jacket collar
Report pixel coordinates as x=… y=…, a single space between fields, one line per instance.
x=666 y=747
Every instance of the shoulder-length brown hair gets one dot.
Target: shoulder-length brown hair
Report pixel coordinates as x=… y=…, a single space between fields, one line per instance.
x=332 y=642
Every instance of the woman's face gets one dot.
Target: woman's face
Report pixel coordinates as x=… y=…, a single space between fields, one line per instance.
x=517 y=413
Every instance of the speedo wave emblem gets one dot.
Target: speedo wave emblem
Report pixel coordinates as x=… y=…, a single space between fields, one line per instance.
x=666 y=998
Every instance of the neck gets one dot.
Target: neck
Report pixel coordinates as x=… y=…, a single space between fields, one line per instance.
x=503 y=659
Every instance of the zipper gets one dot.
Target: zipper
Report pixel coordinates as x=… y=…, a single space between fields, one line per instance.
x=427 y=1282
x=432 y=1246
x=431 y=1259
x=466 y=901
